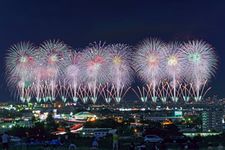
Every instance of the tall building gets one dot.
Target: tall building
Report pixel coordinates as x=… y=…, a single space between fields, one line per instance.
x=212 y=119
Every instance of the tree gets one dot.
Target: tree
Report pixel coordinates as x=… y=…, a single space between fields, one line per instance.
x=33 y=119
x=50 y=123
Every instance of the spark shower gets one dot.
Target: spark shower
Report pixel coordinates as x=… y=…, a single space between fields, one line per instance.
x=171 y=72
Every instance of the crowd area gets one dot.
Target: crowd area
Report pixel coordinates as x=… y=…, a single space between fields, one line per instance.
x=96 y=143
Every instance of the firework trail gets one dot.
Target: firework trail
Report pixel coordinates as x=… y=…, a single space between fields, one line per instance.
x=52 y=55
x=148 y=63
x=107 y=92
x=83 y=94
x=20 y=62
x=164 y=91
x=178 y=71
x=200 y=64
x=94 y=64
x=119 y=69
x=74 y=74
x=173 y=66
x=186 y=92
x=142 y=93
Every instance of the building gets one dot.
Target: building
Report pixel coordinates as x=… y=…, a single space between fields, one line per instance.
x=212 y=119
x=84 y=115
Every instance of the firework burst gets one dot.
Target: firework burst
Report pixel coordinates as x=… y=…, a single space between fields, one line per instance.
x=200 y=63
x=120 y=69
x=174 y=70
x=20 y=63
x=74 y=74
x=173 y=66
x=94 y=64
x=50 y=67
x=148 y=62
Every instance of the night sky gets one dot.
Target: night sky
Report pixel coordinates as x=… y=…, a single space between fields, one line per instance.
x=79 y=23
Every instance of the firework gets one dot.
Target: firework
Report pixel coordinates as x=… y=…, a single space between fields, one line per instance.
x=164 y=91
x=200 y=64
x=175 y=71
x=73 y=74
x=94 y=64
x=20 y=63
x=51 y=64
x=142 y=93
x=173 y=66
x=148 y=63
x=107 y=92
x=119 y=69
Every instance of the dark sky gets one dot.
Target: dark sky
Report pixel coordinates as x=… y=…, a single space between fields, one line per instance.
x=79 y=23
